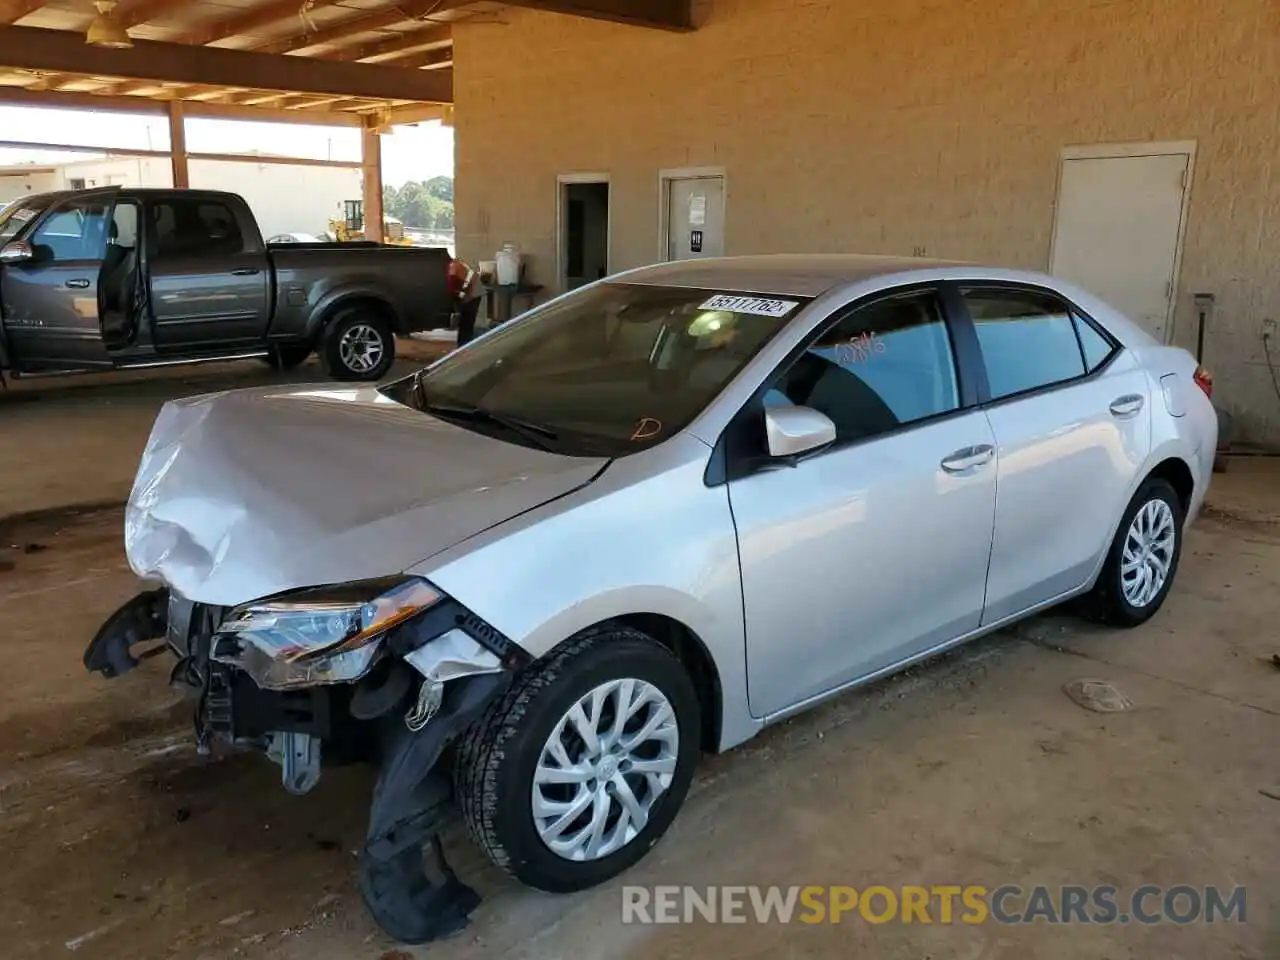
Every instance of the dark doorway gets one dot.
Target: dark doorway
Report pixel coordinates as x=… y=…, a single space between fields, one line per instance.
x=585 y=233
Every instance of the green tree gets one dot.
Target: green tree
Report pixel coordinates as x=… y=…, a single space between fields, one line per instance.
x=441 y=188
x=427 y=204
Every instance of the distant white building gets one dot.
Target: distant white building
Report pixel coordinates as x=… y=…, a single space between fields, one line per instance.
x=285 y=197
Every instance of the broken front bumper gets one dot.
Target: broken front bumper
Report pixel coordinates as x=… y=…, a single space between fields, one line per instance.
x=434 y=676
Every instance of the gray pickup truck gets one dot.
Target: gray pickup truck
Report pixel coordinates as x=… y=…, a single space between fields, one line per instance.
x=116 y=278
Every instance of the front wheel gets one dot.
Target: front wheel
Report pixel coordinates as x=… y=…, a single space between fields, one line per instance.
x=359 y=345
x=580 y=769
x=1143 y=559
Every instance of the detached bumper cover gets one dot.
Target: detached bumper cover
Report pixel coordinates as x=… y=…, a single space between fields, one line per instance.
x=412 y=798
x=113 y=650
x=411 y=802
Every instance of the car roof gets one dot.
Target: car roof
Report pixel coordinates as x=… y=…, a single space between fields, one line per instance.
x=797 y=275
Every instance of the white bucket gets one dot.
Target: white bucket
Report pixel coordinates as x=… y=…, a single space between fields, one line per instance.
x=508 y=265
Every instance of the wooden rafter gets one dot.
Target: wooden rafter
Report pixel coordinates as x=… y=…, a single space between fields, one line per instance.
x=410 y=41
x=435 y=36
x=314 y=103
x=96 y=101
x=428 y=60
x=11 y=11
x=344 y=29
x=148 y=10
x=63 y=51
x=341 y=104
x=258 y=99
x=661 y=14
x=253 y=19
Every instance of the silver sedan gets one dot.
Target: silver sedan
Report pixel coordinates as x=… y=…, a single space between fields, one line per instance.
x=645 y=521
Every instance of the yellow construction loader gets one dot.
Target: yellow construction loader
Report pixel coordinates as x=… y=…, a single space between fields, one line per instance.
x=350 y=226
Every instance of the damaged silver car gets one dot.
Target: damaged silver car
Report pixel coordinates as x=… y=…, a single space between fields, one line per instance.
x=538 y=578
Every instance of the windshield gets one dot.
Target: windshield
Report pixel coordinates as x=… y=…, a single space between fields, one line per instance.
x=17 y=215
x=611 y=369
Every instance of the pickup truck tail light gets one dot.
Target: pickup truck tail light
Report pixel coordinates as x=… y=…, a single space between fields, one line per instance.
x=1204 y=380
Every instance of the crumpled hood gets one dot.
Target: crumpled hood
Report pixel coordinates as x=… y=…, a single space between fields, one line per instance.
x=247 y=493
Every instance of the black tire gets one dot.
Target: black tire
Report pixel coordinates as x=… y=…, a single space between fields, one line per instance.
x=1107 y=601
x=348 y=319
x=286 y=356
x=493 y=776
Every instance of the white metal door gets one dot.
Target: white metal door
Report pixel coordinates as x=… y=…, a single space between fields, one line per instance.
x=1117 y=230
x=695 y=218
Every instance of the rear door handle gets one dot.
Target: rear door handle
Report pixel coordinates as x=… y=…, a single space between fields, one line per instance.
x=78 y=284
x=1127 y=405
x=245 y=272
x=966 y=458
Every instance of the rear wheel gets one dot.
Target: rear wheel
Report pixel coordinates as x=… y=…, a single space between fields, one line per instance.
x=359 y=345
x=1143 y=559
x=580 y=769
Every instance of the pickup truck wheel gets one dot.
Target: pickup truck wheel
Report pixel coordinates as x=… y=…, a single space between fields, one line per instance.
x=359 y=345
x=287 y=356
x=578 y=771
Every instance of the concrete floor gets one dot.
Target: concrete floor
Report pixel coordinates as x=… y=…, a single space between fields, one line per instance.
x=119 y=842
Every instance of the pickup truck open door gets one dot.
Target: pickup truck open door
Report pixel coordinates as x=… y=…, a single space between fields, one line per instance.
x=210 y=278
x=49 y=288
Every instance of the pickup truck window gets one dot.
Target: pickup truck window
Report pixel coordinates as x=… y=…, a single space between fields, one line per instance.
x=76 y=231
x=195 y=227
x=16 y=216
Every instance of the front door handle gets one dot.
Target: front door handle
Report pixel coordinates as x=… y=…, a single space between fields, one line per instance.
x=1127 y=405
x=245 y=272
x=78 y=284
x=966 y=458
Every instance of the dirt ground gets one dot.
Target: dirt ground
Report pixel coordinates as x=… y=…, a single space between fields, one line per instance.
x=119 y=842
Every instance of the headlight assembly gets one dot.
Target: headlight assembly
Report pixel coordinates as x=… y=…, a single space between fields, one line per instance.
x=321 y=635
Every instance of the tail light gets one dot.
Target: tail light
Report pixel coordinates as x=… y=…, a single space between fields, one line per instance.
x=1204 y=380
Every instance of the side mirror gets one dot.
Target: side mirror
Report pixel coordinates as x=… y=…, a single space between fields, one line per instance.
x=795 y=430
x=19 y=251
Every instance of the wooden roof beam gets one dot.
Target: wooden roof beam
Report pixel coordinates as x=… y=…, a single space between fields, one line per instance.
x=344 y=29
x=411 y=41
x=659 y=14
x=252 y=20
x=11 y=11
x=193 y=108
x=428 y=60
x=33 y=48
x=149 y=10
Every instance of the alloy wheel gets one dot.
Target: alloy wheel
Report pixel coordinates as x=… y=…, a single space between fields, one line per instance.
x=1148 y=552
x=608 y=760
x=361 y=348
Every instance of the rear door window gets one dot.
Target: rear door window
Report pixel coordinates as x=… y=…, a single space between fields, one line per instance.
x=1028 y=339
x=195 y=227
